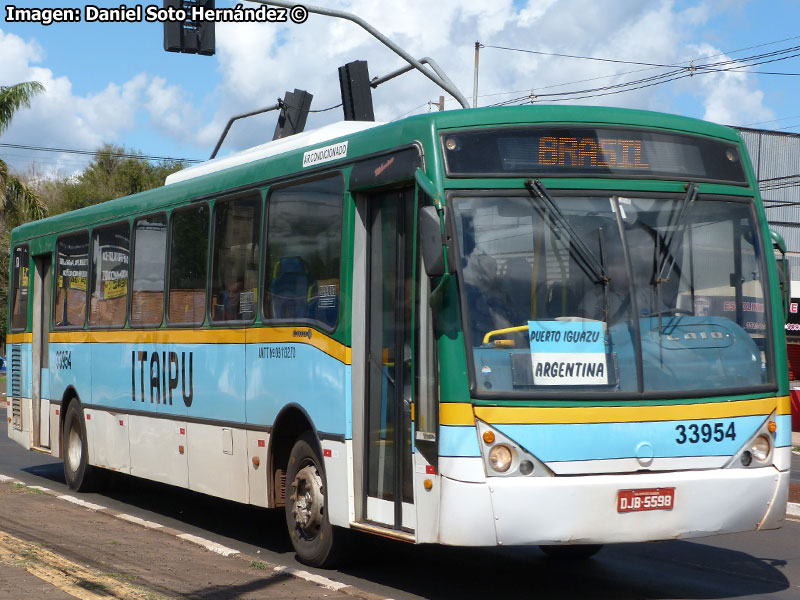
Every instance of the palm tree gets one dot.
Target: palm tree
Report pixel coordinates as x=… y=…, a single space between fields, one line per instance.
x=15 y=197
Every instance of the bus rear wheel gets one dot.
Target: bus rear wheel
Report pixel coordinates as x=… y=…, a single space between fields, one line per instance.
x=80 y=475
x=306 y=505
x=571 y=552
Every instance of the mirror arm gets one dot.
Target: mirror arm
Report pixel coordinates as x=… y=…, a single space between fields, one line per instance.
x=427 y=186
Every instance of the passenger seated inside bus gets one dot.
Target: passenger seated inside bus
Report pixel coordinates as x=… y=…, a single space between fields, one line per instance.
x=488 y=303
x=227 y=306
x=289 y=288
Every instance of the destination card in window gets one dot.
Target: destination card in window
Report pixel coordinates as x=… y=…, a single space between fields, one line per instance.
x=568 y=353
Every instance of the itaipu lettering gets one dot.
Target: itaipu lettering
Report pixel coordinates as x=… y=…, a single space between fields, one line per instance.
x=569 y=369
x=163 y=376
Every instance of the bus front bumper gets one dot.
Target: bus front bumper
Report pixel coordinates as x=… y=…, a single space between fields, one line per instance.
x=512 y=511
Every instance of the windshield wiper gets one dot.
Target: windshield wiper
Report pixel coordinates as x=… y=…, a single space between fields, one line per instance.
x=577 y=248
x=680 y=229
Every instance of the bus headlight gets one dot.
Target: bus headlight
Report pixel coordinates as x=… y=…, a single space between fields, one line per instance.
x=760 y=448
x=500 y=458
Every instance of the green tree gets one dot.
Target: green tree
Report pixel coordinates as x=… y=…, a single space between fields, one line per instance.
x=18 y=202
x=114 y=172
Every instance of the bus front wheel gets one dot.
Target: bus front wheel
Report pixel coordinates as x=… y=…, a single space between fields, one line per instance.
x=306 y=505
x=80 y=475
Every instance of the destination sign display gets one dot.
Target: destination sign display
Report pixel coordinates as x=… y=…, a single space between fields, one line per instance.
x=597 y=152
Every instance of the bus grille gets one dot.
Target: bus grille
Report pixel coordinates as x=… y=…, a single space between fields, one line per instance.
x=16 y=387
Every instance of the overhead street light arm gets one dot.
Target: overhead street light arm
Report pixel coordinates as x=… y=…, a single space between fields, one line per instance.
x=237 y=117
x=436 y=77
x=424 y=60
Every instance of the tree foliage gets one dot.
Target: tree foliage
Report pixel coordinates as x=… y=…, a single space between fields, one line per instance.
x=17 y=202
x=111 y=174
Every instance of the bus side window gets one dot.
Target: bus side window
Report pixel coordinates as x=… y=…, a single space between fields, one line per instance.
x=188 y=265
x=72 y=257
x=234 y=275
x=149 y=256
x=110 y=267
x=303 y=252
x=19 y=284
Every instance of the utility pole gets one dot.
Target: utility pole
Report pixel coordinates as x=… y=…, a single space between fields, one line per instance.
x=475 y=80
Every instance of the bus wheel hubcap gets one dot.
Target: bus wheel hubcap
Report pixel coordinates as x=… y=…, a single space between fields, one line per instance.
x=74 y=449
x=308 y=500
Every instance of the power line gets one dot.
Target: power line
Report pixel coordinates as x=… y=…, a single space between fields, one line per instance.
x=687 y=60
x=772 y=121
x=669 y=76
x=97 y=152
x=678 y=68
x=609 y=60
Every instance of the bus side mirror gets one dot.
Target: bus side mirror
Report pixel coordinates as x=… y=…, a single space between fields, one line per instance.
x=434 y=244
x=784 y=271
x=785 y=279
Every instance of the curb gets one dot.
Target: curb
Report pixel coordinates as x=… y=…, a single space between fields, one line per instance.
x=207 y=544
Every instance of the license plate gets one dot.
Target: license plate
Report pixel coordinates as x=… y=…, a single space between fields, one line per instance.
x=651 y=499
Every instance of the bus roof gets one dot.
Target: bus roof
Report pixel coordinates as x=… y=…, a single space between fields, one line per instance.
x=273 y=148
x=279 y=158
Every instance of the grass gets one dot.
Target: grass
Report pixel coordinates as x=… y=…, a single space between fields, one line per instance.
x=257 y=564
x=24 y=488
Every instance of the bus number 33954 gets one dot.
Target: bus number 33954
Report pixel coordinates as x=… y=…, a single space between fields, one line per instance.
x=695 y=433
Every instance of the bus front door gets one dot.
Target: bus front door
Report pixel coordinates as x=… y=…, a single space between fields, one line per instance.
x=390 y=288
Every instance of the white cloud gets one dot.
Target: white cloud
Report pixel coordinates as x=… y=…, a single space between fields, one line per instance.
x=730 y=97
x=170 y=111
x=58 y=117
x=256 y=63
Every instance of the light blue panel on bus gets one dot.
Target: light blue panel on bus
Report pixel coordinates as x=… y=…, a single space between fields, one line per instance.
x=458 y=440
x=203 y=381
x=281 y=374
x=783 y=436
x=25 y=380
x=595 y=441
x=348 y=404
x=45 y=391
x=70 y=365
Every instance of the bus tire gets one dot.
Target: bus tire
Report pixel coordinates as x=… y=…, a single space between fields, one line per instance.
x=80 y=475
x=306 y=505
x=571 y=552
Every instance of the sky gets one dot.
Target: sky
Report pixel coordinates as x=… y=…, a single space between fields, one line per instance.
x=114 y=83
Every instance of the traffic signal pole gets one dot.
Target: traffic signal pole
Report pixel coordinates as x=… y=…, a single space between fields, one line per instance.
x=443 y=83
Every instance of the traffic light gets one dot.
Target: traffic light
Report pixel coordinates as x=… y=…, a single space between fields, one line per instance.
x=294 y=112
x=189 y=36
x=356 y=91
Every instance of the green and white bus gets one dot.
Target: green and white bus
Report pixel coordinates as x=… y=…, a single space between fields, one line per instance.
x=501 y=326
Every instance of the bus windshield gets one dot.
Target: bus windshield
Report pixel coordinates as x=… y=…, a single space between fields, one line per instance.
x=647 y=293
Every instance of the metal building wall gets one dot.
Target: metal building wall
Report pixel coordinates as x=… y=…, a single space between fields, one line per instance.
x=776 y=161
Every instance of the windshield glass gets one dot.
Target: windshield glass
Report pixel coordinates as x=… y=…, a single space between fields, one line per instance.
x=684 y=310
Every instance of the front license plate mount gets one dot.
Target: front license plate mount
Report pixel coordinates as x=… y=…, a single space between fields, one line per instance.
x=645 y=499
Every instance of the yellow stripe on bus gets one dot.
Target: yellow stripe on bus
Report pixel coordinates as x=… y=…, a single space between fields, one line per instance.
x=456 y=413
x=261 y=335
x=19 y=338
x=631 y=414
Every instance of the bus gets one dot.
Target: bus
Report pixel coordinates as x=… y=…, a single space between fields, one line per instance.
x=536 y=325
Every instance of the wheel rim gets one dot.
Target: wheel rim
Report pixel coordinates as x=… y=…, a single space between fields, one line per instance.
x=307 y=501
x=74 y=449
